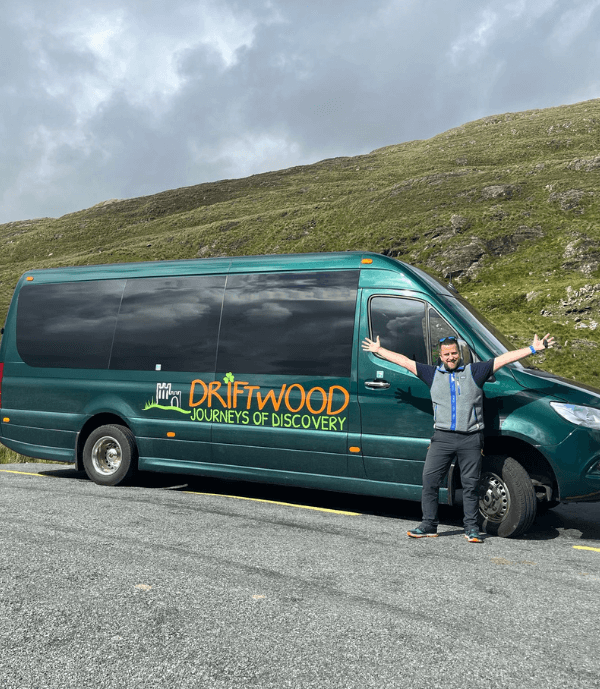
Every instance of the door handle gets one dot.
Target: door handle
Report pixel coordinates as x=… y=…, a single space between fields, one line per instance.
x=377 y=384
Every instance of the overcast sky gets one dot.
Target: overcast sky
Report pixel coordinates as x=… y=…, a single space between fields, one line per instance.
x=122 y=98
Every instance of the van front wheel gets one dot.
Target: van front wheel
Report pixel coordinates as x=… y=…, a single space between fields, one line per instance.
x=109 y=454
x=507 y=502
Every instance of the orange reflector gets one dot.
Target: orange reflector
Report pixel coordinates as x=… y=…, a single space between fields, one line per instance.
x=354 y=449
x=367 y=260
x=30 y=279
x=6 y=419
x=170 y=434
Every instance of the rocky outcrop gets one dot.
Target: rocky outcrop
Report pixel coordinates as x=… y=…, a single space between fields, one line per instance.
x=584 y=164
x=581 y=306
x=583 y=254
x=462 y=260
x=506 y=244
x=568 y=200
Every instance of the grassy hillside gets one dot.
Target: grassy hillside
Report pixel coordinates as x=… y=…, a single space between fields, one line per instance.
x=508 y=205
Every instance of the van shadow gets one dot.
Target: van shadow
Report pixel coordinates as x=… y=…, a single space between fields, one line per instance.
x=307 y=497
x=575 y=521
x=345 y=502
x=69 y=471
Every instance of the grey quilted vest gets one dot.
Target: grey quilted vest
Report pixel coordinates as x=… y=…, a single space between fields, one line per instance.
x=457 y=400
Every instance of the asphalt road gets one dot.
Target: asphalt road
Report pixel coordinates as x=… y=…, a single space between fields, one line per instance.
x=159 y=584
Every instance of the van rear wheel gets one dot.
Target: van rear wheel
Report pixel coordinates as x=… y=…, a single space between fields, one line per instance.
x=507 y=502
x=110 y=454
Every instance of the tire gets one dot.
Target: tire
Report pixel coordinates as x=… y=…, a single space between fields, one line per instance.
x=507 y=502
x=110 y=455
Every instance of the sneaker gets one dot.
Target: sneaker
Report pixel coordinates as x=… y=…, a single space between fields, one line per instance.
x=472 y=535
x=421 y=532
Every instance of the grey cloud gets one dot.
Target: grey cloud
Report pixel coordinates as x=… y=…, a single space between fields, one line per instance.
x=311 y=80
x=526 y=65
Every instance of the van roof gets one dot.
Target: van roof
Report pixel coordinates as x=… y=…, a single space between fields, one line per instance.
x=340 y=260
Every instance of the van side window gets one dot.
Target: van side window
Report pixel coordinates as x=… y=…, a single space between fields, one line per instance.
x=438 y=328
x=173 y=322
x=401 y=325
x=289 y=323
x=68 y=324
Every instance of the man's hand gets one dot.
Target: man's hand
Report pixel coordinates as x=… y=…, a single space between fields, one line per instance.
x=510 y=357
x=370 y=345
x=375 y=347
x=544 y=343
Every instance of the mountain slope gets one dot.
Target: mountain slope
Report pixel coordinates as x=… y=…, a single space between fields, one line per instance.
x=508 y=206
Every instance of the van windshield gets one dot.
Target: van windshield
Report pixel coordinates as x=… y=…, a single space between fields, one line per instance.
x=466 y=313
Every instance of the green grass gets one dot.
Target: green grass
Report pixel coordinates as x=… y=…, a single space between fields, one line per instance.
x=153 y=405
x=9 y=457
x=400 y=199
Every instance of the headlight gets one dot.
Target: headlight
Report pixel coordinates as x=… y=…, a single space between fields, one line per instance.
x=578 y=414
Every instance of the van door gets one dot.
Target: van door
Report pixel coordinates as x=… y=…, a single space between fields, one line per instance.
x=284 y=364
x=395 y=405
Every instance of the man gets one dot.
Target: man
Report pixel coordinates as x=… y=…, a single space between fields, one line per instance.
x=457 y=397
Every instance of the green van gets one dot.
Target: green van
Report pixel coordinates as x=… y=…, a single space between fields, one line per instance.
x=251 y=368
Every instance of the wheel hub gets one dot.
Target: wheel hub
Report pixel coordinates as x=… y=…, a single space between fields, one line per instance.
x=106 y=455
x=494 y=498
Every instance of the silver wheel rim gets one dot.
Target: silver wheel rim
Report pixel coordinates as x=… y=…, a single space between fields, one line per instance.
x=106 y=455
x=494 y=498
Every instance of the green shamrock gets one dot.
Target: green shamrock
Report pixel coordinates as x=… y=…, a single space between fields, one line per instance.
x=228 y=378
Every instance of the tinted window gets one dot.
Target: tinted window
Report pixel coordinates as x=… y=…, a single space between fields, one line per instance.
x=401 y=325
x=483 y=329
x=289 y=323
x=438 y=328
x=173 y=322
x=68 y=325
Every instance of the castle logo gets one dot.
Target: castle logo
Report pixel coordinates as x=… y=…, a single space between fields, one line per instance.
x=165 y=394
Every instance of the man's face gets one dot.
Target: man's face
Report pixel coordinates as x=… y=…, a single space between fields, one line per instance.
x=450 y=356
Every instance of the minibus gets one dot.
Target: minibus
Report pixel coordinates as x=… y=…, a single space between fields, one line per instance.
x=251 y=368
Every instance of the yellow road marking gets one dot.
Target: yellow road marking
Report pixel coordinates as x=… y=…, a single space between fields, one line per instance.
x=274 y=502
x=586 y=547
x=24 y=473
x=220 y=495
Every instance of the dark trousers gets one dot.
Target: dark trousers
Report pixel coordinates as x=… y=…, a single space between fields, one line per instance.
x=445 y=445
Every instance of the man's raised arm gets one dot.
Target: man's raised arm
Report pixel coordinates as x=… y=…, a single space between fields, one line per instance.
x=510 y=357
x=375 y=347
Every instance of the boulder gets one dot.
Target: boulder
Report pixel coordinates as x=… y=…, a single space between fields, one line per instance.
x=459 y=223
x=500 y=191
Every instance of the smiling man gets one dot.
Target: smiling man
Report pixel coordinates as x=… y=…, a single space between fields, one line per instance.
x=457 y=397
